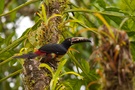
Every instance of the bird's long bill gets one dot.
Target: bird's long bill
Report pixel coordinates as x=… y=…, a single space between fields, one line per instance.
x=79 y=40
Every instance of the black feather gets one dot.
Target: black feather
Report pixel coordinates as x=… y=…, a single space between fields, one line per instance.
x=53 y=48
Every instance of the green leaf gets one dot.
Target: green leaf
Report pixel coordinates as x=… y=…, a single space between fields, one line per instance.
x=26 y=31
x=8 y=40
x=44 y=12
x=89 y=75
x=85 y=65
x=17 y=8
x=10 y=75
x=5 y=61
x=115 y=9
x=13 y=45
x=1 y=40
x=56 y=75
x=131 y=33
x=75 y=83
x=68 y=85
x=46 y=66
x=101 y=3
x=60 y=87
x=5 y=55
x=74 y=73
x=132 y=42
x=116 y=19
x=132 y=47
x=131 y=24
x=1 y=5
x=36 y=25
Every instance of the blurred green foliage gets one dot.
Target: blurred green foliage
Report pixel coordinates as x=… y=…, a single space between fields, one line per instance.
x=78 y=15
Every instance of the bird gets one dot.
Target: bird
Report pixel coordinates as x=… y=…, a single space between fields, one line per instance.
x=54 y=50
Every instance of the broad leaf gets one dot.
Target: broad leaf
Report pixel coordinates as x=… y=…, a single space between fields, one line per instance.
x=1 y=5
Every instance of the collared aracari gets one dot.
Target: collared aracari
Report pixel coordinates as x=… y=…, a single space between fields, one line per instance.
x=54 y=50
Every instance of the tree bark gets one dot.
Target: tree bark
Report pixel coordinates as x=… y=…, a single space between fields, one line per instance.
x=116 y=61
x=36 y=78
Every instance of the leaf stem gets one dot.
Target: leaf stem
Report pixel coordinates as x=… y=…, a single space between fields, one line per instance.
x=17 y=8
x=5 y=61
x=80 y=66
x=93 y=11
x=10 y=75
x=13 y=44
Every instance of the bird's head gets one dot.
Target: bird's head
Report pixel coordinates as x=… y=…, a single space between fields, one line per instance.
x=74 y=40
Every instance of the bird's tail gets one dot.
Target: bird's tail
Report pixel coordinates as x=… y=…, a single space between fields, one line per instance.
x=29 y=56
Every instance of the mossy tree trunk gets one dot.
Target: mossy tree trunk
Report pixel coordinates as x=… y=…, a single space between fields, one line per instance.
x=116 y=60
x=49 y=31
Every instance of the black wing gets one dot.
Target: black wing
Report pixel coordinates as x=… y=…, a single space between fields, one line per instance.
x=53 y=48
